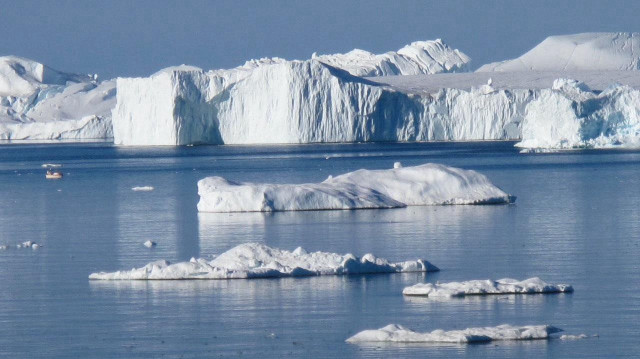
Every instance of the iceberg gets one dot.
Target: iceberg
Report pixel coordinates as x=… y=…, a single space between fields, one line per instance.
x=428 y=184
x=420 y=57
x=39 y=103
x=394 y=333
x=603 y=51
x=254 y=260
x=316 y=100
x=571 y=115
x=486 y=287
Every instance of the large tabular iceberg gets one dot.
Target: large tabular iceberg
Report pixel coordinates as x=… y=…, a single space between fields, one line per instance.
x=429 y=184
x=39 y=103
x=394 y=333
x=254 y=260
x=486 y=287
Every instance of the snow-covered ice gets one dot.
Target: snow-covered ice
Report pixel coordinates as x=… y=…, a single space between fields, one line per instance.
x=399 y=334
x=586 y=51
x=428 y=184
x=254 y=260
x=142 y=188
x=486 y=287
x=420 y=57
x=39 y=103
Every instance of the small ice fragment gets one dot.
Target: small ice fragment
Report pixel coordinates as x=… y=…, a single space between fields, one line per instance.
x=4 y=247
x=577 y=337
x=149 y=244
x=35 y=246
x=397 y=165
x=143 y=188
x=327 y=157
x=51 y=165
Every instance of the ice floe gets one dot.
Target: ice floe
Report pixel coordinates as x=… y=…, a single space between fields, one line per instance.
x=399 y=334
x=142 y=188
x=26 y=244
x=486 y=287
x=254 y=260
x=428 y=184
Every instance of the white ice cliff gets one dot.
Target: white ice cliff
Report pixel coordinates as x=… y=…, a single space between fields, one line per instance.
x=394 y=333
x=39 y=103
x=254 y=260
x=486 y=287
x=429 y=184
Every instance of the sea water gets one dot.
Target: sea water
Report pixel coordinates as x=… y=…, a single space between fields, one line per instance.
x=576 y=221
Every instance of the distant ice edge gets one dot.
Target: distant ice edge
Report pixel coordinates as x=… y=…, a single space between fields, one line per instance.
x=428 y=184
x=254 y=260
x=394 y=333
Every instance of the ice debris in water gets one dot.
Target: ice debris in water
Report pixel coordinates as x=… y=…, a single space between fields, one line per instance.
x=27 y=244
x=142 y=188
x=577 y=337
x=149 y=244
x=254 y=260
x=397 y=165
x=428 y=184
x=486 y=287
x=400 y=334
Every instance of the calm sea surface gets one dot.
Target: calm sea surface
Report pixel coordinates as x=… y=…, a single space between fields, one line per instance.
x=576 y=220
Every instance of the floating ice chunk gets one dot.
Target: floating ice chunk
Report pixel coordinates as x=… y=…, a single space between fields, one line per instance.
x=577 y=337
x=27 y=244
x=254 y=260
x=486 y=287
x=51 y=165
x=142 y=188
x=397 y=165
x=149 y=244
x=429 y=184
x=4 y=247
x=400 y=334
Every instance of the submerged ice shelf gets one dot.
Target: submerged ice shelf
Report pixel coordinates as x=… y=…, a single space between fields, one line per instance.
x=428 y=184
x=486 y=287
x=399 y=334
x=254 y=260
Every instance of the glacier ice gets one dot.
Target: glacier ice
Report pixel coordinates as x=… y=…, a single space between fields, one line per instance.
x=420 y=57
x=587 y=51
x=486 y=287
x=39 y=103
x=399 y=334
x=255 y=260
x=570 y=115
x=428 y=184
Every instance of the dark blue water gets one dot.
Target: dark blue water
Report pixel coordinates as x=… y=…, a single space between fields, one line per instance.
x=576 y=220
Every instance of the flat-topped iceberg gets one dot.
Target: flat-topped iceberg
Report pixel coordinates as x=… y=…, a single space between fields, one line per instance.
x=602 y=51
x=570 y=115
x=428 y=184
x=254 y=260
x=486 y=287
x=394 y=333
x=39 y=103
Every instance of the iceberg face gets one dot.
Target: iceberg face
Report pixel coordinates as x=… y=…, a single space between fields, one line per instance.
x=429 y=184
x=420 y=57
x=486 y=287
x=394 y=333
x=570 y=115
x=39 y=103
x=254 y=260
x=587 y=51
x=303 y=102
